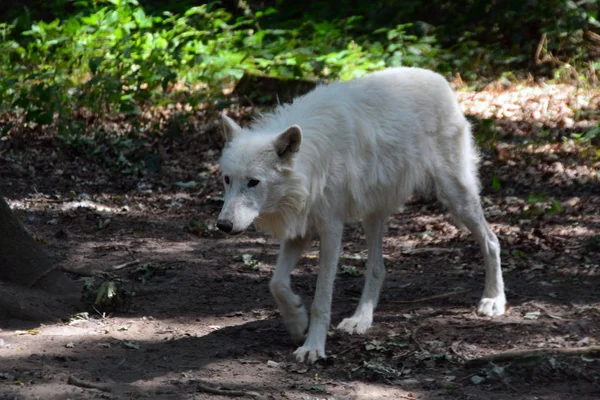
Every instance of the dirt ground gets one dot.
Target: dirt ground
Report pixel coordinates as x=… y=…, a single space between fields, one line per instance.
x=200 y=314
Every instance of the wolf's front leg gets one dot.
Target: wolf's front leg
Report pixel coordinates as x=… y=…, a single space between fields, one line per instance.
x=314 y=346
x=362 y=319
x=290 y=304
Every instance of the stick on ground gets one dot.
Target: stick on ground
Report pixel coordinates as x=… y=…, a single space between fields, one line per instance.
x=88 y=385
x=204 y=387
x=82 y=273
x=413 y=336
x=437 y=296
x=125 y=265
x=421 y=250
x=513 y=355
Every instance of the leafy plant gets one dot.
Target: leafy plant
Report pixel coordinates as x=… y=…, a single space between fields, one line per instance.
x=376 y=369
x=350 y=270
x=250 y=263
x=74 y=73
x=111 y=57
x=486 y=133
x=496 y=185
x=147 y=272
x=540 y=204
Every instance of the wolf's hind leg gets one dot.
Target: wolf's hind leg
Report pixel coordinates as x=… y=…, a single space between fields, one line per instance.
x=362 y=319
x=462 y=198
x=290 y=304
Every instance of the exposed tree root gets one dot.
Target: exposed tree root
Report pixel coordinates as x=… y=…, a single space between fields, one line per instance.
x=204 y=387
x=88 y=385
x=513 y=355
x=34 y=304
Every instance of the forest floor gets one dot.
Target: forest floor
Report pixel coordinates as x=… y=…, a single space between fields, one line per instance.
x=198 y=314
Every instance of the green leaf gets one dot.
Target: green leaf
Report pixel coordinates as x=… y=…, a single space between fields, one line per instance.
x=42 y=118
x=376 y=345
x=195 y=11
x=130 y=345
x=350 y=270
x=592 y=133
x=130 y=108
x=170 y=77
x=90 y=20
x=141 y=19
x=556 y=206
x=94 y=64
x=147 y=272
x=314 y=388
x=532 y=315
x=5 y=129
x=187 y=185
x=496 y=183
x=535 y=198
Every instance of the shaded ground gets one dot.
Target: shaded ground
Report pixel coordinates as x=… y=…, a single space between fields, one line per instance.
x=204 y=315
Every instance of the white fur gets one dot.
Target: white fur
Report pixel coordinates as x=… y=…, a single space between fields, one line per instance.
x=365 y=147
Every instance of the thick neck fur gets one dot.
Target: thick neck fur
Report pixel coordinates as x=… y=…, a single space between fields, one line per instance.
x=306 y=181
x=291 y=217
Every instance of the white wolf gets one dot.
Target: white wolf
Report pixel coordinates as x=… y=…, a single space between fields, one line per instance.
x=352 y=151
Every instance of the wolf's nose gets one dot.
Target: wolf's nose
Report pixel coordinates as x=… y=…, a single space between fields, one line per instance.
x=225 y=225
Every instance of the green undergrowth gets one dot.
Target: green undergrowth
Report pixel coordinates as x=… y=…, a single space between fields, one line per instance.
x=111 y=57
x=87 y=70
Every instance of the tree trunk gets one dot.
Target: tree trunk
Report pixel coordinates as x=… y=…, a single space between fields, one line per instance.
x=30 y=286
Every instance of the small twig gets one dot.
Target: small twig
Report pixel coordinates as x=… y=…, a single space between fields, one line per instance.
x=512 y=355
x=42 y=276
x=413 y=336
x=125 y=265
x=427 y=250
x=546 y=311
x=403 y=355
x=101 y=314
x=437 y=296
x=88 y=385
x=445 y=312
x=592 y=36
x=489 y=325
x=130 y=253
x=85 y=274
x=464 y=378
x=203 y=387
x=404 y=396
x=88 y=274
x=538 y=50
x=346 y=350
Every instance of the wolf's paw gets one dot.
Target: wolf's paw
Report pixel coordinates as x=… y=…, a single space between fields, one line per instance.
x=492 y=306
x=310 y=353
x=296 y=322
x=355 y=324
x=292 y=310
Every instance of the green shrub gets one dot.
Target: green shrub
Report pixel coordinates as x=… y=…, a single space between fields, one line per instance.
x=117 y=58
x=111 y=57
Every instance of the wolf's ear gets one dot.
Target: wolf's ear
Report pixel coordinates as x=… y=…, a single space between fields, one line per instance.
x=230 y=128
x=288 y=142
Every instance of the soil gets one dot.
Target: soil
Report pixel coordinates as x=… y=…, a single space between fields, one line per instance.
x=199 y=314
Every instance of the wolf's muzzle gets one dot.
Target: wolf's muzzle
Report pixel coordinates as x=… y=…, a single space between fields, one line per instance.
x=225 y=225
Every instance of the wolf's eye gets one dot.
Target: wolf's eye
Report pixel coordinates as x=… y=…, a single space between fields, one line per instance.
x=226 y=179
x=253 y=182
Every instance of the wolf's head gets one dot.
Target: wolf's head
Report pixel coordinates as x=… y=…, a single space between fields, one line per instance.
x=257 y=170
